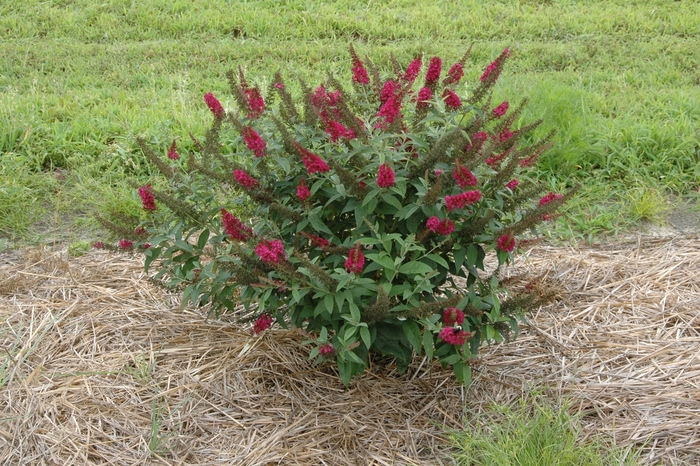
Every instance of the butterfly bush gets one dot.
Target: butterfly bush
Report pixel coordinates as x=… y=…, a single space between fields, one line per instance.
x=365 y=213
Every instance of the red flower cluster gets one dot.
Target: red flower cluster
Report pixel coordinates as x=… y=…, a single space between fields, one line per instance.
x=496 y=160
x=256 y=104
x=98 y=245
x=312 y=162
x=263 y=323
x=506 y=243
x=478 y=141
x=444 y=227
x=455 y=74
x=424 y=96
x=359 y=73
x=140 y=231
x=147 y=198
x=452 y=316
x=494 y=69
x=512 y=184
x=454 y=336
x=234 y=227
x=501 y=109
x=244 y=179
x=385 y=179
x=451 y=99
x=413 y=69
x=303 y=191
x=326 y=349
x=463 y=177
x=338 y=131
x=254 y=142
x=270 y=251
x=460 y=200
x=317 y=240
x=433 y=73
x=356 y=260
x=172 y=152
x=389 y=111
x=388 y=91
x=549 y=197
x=504 y=135
x=214 y=105
x=125 y=244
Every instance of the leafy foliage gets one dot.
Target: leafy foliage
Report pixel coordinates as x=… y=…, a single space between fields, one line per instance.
x=372 y=212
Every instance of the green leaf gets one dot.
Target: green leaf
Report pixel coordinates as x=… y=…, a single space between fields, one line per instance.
x=407 y=211
x=392 y=201
x=415 y=268
x=183 y=246
x=383 y=259
x=355 y=313
x=472 y=255
x=463 y=373
x=151 y=255
x=366 y=338
x=459 y=253
x=203 y=238
x=438 y=260
x=428 y=343
x=412 y=331
x=328 y=303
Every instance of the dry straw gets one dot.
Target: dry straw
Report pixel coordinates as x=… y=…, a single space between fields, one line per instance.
x=100 y=366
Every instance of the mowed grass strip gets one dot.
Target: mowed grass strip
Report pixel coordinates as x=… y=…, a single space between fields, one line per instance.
x=79 y=80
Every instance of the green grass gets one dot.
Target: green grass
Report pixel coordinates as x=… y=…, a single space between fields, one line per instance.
x=532 y=432
x=79 y=80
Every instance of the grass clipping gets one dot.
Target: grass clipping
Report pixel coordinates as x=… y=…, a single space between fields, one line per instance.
x=101 y=366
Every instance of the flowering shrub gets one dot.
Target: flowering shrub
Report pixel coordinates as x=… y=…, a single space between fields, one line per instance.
x=374 y=209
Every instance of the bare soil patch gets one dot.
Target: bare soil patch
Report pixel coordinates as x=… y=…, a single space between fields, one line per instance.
x=100 y=366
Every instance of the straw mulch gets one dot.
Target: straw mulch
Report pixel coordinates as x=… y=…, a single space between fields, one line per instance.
x=100 y=366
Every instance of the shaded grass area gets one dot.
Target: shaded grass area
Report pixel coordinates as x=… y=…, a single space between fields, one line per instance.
x=80 y=80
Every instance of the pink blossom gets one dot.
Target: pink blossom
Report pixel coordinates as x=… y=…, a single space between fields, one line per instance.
x=389 y=111
x=254 y=142
x=549 y=197
x=172 y=151
x=512 y=184
x=413 y=69
x=455 y=74
x=432 y=223
x=477 y=141
x=303 y=191
x=497 y=159
x=234 y=227
x=424 y=96
x=326 y=349
x=388 y=91
x=270 y=251
x=504 y=135
x=279 y=85
x=214 y=105
x=317 y=240
x=244 y=179
x=460 y=200
x=125 y=244
x=501 y=109
x=451 y=99
x=98 y=245
x=147 y=198
x=140 y=231
x=356 y=260
x=385 y=178
x=454 y=336
x=145 y=246
x=338 y=131
x=506 y=243
x=433 y=73
x=263 y=323
x=463 y=177
x=312 y=162
x=452 y=316
x=494 y=69
x=359 y=73
x=256 y=104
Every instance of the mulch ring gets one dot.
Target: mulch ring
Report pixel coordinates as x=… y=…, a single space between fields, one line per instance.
x=100 y=365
